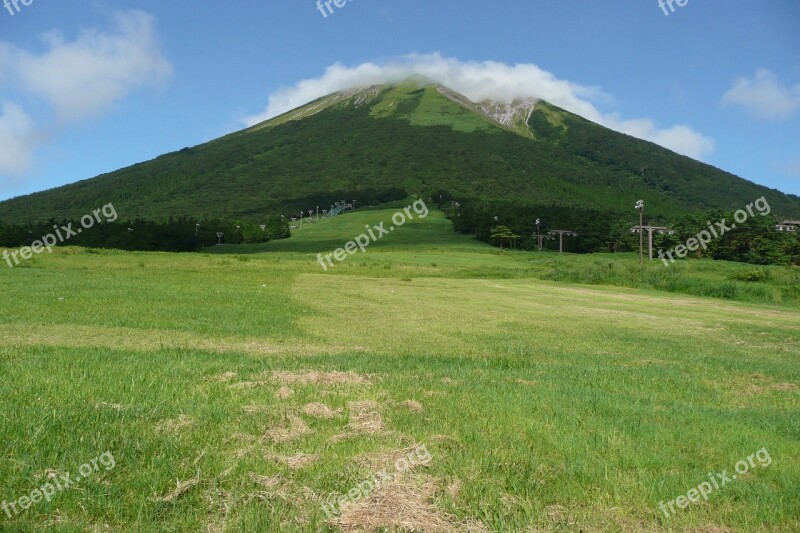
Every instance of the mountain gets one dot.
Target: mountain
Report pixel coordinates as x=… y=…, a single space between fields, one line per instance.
x=382 y=143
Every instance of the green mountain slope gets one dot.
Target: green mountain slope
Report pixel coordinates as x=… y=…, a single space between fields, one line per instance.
x=379 y=143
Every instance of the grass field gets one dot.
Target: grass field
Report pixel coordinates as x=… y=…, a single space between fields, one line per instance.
x=240 y=389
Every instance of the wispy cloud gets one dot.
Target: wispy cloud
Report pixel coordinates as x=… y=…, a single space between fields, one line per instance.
x=77 y=79
x=791 y=168
x=763 y=96
x=17 y=136
x=487 y=80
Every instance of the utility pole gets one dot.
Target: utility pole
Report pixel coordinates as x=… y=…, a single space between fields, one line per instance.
x=640 y=208
x=561 y=233
x=650 y=230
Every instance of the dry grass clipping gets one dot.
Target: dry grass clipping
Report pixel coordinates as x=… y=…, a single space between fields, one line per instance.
x=301 y=460
x=762 y=385
x=279 y=488
x=296 y=428
x=321 y=411
x=473 y=526
x=297 y=461
x=283 y=393
x=320 y=378
x=225 y=378
x=219 y=502
x=254 y=409
x=556 y=513
x=454 y=489
x=239 y=437
x=266 y=482
x=401 y=505
x=247 y=385
x=311 y=496
x=182 y=488
x=272 y=487
x=413 y=405
x=365 y=417
x=387 y=459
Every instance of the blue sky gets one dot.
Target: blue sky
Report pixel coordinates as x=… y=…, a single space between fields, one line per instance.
x=90 y=87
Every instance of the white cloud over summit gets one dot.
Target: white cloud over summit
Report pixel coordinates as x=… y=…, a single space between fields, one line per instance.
x=76 y=79
x=487 y=80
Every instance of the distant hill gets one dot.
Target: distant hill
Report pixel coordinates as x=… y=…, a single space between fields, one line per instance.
x=382 y=143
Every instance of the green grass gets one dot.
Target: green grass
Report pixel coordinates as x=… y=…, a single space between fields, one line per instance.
x=433 y=110
x=428 y=247
x=558 y=392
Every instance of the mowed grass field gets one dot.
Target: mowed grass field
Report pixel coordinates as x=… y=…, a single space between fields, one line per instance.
x=240 y=389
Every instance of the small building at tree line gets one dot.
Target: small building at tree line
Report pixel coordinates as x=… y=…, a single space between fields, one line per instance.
x=788 y=225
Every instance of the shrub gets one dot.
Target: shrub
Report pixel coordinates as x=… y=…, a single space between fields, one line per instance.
x=752 y=275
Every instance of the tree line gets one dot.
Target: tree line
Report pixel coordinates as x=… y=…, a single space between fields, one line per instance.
x=755 y=241
x=172 y=235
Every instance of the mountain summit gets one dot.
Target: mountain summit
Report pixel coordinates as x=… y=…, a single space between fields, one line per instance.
x=512 y=115
x=383 y=142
